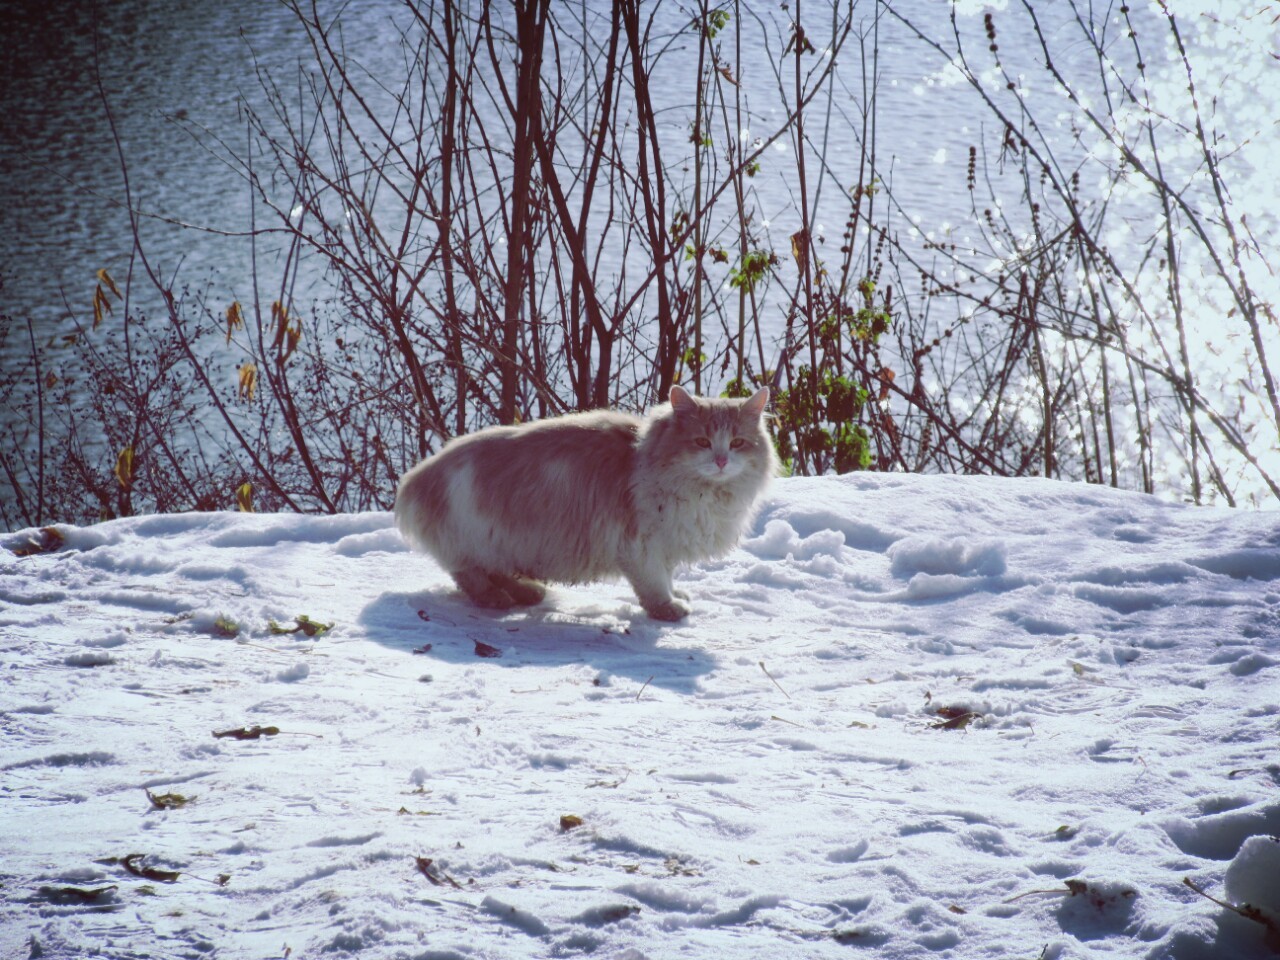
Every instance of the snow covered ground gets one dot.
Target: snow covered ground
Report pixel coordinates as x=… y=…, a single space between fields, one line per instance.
x=911 y=716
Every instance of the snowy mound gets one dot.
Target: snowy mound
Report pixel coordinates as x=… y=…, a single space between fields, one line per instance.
x=1253 y=879
x=955 y=716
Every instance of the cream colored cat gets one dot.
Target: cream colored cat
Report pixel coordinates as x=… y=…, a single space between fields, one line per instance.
x=591 y=495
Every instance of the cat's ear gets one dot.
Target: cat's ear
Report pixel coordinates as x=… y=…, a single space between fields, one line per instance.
x=681 y=401
x=755 y=404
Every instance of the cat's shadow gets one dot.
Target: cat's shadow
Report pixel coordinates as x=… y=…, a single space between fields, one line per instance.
x=442 y=626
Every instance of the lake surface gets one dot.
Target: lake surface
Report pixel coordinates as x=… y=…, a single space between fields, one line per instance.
x=168 y=66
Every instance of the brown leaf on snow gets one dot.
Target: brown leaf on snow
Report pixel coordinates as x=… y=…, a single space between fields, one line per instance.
x=424 y=867
x=954 y=718
x=166 y=801
x=76 y=894
x=49 y=540
x=484 y=650
x=247 y=733
x=131 y=863
x=569 y=821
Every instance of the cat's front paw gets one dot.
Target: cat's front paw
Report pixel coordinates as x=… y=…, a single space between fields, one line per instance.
x=669 y=610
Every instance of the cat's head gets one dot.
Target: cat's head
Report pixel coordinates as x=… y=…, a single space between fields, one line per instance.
x=720 y=440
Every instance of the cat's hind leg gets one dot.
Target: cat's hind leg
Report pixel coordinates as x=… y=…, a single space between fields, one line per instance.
x=524 y=591
x=481 y=587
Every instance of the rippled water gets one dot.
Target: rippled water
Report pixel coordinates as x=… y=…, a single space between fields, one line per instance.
x=167 y=64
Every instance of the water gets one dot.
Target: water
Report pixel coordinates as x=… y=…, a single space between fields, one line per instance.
x=171 y=68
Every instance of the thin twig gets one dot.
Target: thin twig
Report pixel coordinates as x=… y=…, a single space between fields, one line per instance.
x=642 y=689
x=775 y=682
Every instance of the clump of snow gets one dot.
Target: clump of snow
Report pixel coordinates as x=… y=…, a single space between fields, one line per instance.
x=954 y=556
x=955 y=717
x=1253 y=877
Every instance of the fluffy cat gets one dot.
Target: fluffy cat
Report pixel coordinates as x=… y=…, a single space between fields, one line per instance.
x=591 y=495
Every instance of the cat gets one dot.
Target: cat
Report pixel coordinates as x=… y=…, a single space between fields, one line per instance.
x=589 y=496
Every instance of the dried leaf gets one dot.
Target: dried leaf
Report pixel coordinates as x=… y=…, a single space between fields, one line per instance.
x=424 y=867
x=105 y=278
x=280 y=319
x=247 y=733
x=76 y=894
x=248 y=381
x=244 y=497
x=800 y=247
x=293 y=334
x=287 y=334
x=886 y=377
x=101 y=306
x=484 y=650
x=955 y=718
x=569 y=821
x=235 y=319
x=124 y=468
x=167 y=801
x=131 y=863
x=49 y=540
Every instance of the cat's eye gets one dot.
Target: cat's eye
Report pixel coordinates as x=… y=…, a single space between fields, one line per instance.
x=737 y=442
x=703 y=442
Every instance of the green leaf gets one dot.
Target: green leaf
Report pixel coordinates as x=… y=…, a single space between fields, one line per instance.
x=753 y=268
x=302 y=624
x=226 y=627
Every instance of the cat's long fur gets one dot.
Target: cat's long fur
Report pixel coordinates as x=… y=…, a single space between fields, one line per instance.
x=591 y=495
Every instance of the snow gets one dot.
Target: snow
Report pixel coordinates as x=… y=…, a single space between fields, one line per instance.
x=1254 y=875
x=947 y=716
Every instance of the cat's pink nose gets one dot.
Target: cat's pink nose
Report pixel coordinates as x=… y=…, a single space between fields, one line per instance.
x=721 y=460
